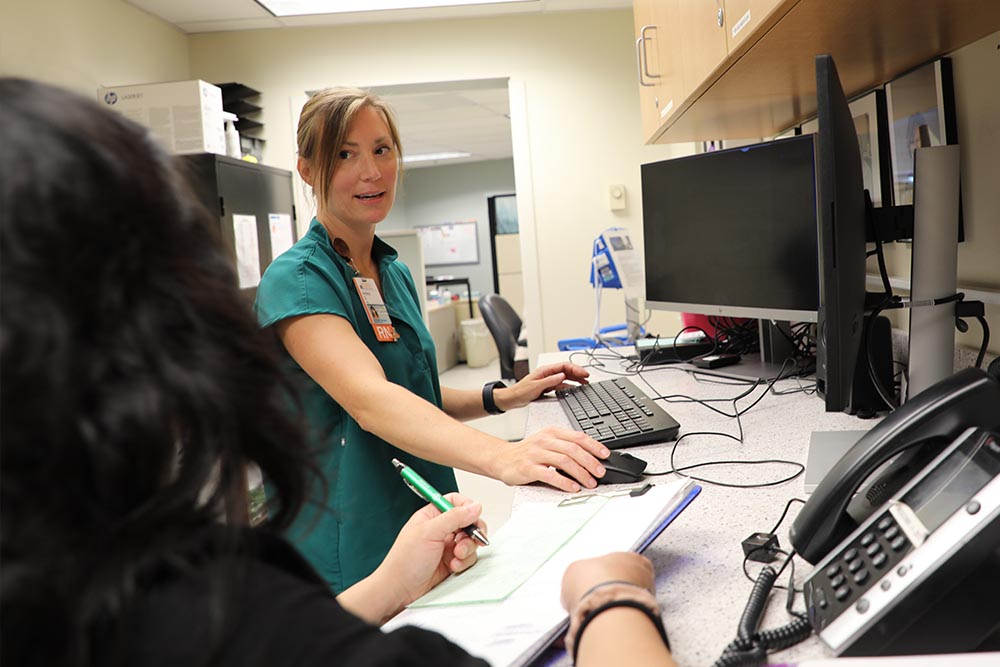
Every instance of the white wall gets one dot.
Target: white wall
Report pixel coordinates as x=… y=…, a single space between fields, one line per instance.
x=434 y=195
x=577 y=73
x=581 y=107
x=86 y=44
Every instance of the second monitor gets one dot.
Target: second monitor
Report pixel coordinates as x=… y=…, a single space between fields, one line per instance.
x=734 y=232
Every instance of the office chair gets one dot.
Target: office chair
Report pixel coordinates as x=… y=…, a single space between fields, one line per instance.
x=505 y=326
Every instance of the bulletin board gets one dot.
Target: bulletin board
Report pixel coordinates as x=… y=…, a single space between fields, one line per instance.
x=450 y=243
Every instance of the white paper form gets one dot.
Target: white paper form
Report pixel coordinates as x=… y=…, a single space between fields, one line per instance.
x=515 y=553
x=247 y=253
x=514 y=631
x=281 y=233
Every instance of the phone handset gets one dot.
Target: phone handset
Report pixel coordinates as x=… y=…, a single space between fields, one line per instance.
x=926 y=423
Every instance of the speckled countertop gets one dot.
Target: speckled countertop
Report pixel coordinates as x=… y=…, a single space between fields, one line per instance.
x=698 y=559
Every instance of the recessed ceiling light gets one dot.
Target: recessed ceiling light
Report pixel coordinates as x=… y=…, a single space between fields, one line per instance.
x=425 y=157
x=304 y=7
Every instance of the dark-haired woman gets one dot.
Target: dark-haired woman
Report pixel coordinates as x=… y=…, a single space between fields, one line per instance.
x=134 y=389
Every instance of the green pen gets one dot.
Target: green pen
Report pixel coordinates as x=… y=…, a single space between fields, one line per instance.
x=422 y=488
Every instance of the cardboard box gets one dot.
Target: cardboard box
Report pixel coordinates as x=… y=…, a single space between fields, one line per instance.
x=186 y=116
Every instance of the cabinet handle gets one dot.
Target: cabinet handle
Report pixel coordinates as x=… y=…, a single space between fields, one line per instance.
x=640 y=49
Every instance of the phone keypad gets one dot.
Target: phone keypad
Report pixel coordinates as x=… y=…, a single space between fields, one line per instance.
x=853 y=571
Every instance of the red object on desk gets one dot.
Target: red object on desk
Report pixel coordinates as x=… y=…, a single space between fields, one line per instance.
x=702 y=322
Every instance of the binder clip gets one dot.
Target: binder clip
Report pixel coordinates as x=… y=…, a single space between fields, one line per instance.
x=580 y=498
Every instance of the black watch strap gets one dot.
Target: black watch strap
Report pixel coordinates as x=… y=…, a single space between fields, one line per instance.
x=488 y=403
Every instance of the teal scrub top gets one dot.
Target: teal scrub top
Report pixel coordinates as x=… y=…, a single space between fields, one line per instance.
x=346 y=532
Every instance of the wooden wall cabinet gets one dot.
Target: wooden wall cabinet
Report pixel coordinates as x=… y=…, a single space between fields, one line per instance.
x=743 y=17
x=701 y=27
x=754 y=75
x=658 y=62
x=678 y=44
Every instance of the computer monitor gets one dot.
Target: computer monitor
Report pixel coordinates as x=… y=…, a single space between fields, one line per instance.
x=842 y=224
x=734 y=233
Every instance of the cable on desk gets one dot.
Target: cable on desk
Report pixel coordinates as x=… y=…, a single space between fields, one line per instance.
x=808 y=389
x=784 y=513
x=737 y=412
x=593 y=359
x=681 y=398
x=800 y=468
x=750 y=647
x=791 y=577
x=733 y=336
x=774 y=531
x=631 y=366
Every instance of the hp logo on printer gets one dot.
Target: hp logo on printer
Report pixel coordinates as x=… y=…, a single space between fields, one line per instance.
x=110 y=97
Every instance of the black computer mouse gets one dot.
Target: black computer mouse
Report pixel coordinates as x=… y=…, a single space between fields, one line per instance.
x=621 y=468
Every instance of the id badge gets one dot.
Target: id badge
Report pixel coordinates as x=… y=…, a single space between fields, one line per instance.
x=378 y=314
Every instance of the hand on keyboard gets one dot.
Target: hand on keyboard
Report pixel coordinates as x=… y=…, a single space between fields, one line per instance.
x=538 y=382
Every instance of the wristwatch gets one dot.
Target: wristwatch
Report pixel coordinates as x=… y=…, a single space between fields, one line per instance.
x=488 y=402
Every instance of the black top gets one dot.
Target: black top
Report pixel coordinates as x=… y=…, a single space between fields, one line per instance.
x=263 y=605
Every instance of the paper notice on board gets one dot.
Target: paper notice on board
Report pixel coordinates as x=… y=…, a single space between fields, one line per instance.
x=247 y=253
x=281 y=233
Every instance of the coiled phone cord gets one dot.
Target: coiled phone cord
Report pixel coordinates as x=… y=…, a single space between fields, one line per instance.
x=750 y=647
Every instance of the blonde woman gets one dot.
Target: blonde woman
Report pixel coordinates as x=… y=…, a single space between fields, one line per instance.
x=369 y=385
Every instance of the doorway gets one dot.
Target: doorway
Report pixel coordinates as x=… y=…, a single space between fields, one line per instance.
x=505 y=245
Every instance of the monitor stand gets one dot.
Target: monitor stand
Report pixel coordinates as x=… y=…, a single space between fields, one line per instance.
x=825 y=449
x=750 y=369
x=775 y=348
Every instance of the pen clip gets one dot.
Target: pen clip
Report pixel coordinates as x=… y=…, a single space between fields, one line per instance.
x=414 y=489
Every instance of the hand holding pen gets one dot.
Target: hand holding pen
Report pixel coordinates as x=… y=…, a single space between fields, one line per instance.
x=423 y=489
x=429 y=548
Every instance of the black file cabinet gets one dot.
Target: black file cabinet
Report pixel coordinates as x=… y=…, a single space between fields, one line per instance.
x=229 y=187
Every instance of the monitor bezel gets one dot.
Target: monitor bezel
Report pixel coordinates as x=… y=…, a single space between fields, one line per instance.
x=755 y=312
x=715 y=310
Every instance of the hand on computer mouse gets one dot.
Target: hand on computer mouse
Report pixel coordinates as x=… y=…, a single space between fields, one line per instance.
x=621 y=468
x=543 y=455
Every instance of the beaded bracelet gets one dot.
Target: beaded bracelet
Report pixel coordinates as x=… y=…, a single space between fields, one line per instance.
x=601 y=597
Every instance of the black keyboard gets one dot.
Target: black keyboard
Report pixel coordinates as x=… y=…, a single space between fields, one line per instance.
x=617 y=413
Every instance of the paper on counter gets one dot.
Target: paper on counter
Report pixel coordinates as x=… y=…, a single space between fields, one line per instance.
x=526 y=541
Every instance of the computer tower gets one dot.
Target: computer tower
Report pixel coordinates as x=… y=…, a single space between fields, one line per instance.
x=228 y=186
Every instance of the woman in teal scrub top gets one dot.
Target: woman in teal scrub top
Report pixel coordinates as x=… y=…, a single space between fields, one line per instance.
x=369 y=384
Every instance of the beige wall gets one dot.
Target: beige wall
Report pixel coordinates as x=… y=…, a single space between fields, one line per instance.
x=573 y=78
x=85 y=44
x=581 y=119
